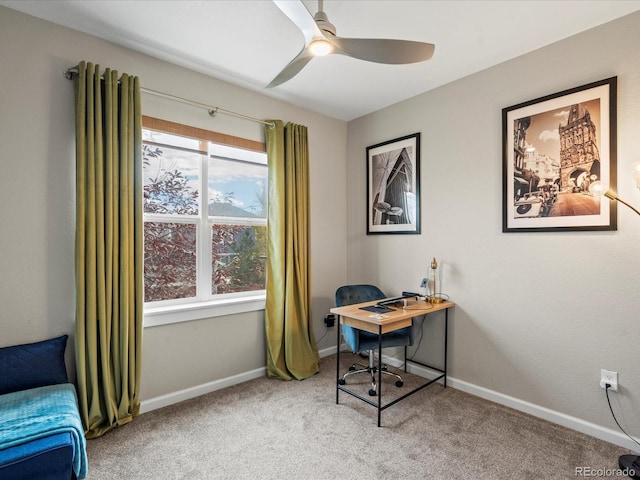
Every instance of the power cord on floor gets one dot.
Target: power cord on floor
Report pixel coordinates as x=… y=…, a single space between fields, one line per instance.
x=606 y=391
x=629 y=463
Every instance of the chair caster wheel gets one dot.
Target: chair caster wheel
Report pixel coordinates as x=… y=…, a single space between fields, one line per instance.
x=373 y=393
x=341 y=381
x=352 y=368
x=399 y=383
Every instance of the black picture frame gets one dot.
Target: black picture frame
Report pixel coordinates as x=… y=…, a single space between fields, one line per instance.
x=393 y=186
x=559 y=155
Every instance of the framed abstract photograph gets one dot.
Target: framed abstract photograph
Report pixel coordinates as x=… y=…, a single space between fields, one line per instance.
x=559 y=156
x=393 y=186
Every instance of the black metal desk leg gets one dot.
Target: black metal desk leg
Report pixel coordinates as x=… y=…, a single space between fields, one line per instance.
x=405 y=359
x=379 y=373
x=446 y=342
x=338 y=359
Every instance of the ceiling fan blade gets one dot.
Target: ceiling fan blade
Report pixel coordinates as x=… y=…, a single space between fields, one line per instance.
x=300 y=16
x=384 y=50
x=318 y=27
x=292 y=69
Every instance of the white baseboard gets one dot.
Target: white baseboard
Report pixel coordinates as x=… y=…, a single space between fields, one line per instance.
x=574 y=423
x=568 y=421
x=192 y=392
x=597 y=431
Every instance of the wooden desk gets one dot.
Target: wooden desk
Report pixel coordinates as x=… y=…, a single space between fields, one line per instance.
x=380 y=324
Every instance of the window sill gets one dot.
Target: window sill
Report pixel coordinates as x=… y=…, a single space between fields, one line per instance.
x=157 y=316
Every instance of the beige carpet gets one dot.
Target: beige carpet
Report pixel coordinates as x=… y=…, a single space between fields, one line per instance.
x=270 y=429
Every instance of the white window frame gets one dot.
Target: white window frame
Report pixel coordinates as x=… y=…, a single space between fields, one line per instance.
x=205 y=304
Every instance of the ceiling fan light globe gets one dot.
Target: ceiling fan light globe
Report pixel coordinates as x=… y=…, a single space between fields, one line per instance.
x=320 y=48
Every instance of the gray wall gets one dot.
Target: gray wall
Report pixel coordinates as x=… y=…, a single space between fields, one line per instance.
x=538 y=314
x=37 y=197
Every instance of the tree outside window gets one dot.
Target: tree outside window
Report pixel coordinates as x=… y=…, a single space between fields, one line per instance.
x=199 y=247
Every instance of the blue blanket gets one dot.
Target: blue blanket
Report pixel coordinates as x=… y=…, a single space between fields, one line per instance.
x=38 y=412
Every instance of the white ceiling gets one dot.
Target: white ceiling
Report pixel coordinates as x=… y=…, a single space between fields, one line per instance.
x=248 y=42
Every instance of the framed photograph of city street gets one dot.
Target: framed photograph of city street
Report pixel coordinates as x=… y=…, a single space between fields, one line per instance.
x=559 y=157
x=393 y=186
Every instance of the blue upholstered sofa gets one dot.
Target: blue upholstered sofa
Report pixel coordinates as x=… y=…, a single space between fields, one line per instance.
x=41 y=435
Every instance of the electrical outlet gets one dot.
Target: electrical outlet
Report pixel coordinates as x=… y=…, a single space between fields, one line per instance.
x=609 y=377
x=330 y=320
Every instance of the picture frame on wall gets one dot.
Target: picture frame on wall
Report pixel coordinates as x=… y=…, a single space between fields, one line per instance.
x=393 y=186
x=559 y=156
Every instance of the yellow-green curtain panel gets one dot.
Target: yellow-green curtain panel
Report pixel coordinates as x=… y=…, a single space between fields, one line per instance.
x=109 y=248
x=291 y=348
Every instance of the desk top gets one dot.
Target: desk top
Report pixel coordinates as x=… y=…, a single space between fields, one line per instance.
x=373 y=322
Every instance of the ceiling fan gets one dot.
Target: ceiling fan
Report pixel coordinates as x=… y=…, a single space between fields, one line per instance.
x=320 y=39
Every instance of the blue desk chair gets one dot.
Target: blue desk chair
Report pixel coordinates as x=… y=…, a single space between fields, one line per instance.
x=361 y=341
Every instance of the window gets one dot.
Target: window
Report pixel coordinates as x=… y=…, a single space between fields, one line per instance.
x=205 y=221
